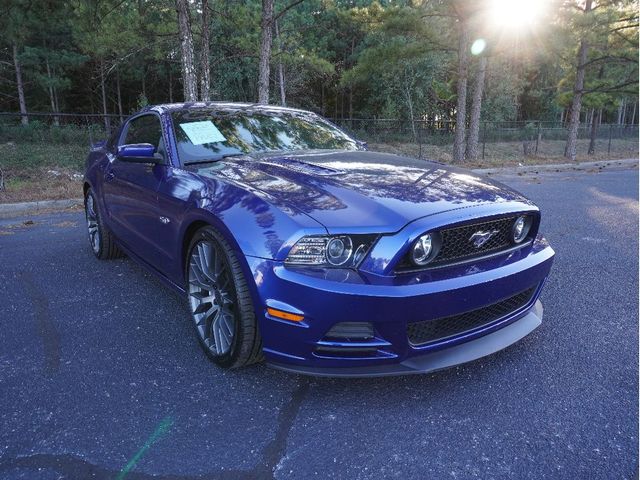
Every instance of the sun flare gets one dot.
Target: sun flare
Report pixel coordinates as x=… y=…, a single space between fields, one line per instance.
x=516 y=14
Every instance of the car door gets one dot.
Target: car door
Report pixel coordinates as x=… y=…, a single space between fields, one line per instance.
x=130 y=188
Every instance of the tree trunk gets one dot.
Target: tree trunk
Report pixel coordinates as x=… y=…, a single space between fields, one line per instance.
x=144 y=82
x=23 y=104
x=620 y=107
x=633 y=117
x=205 y=81
x=55 y=96
x=625 y=106
x=407 y=93
x=353 y=43
x=593 y=134
x=351 y=103
x=283 y=97
x=461 y=106
x=476 y=110
x=107 y=123
x=189 y=80
x=578 y=90
x=170 y=85
x=52 y=98
x=119 y=95
x=265 y=51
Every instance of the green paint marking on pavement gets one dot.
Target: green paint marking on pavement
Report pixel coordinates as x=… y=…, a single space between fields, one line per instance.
x=162 y=428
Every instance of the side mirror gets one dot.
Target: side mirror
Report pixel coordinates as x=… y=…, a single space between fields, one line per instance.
x=361 y=144
x=139 y=153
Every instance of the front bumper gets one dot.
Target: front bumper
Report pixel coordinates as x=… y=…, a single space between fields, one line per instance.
x=326 y=298
x=438 y=360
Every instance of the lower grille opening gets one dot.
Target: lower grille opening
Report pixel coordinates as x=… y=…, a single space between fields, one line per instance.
x=347 y=351
x=430 y=331
x=351 y=340
x=351 y=331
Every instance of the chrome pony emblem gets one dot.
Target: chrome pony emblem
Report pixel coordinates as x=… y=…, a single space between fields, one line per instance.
x=480 y=238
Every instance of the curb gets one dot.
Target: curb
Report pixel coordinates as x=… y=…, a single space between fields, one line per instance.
x=561 y=167
x=36 y=207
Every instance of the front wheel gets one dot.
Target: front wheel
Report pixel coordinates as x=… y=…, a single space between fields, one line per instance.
x=221 y=306
x=101 y=239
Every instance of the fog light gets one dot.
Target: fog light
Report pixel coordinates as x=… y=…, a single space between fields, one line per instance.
x=521 y=228
x=421 y=254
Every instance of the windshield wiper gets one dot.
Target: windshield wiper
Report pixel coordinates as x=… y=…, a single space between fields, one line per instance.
x=217 y=159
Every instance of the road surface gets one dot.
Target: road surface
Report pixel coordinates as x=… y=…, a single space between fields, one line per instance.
x=101 y=375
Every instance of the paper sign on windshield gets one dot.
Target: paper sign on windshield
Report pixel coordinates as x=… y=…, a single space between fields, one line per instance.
x=202 y=132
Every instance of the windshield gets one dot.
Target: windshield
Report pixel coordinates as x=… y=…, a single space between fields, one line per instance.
x=205 y=135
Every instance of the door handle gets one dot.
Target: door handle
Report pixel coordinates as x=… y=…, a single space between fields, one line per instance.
x=109 y=176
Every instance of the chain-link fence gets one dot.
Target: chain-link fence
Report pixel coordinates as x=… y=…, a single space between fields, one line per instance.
x=498 y=141
x=70 y=128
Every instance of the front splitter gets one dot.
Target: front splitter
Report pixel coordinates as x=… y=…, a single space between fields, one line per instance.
x=439 y=360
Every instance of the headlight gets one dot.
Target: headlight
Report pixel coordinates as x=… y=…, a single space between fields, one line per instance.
x=339 y=250
x=521 y=228
x=424 y=249
x=331 y=251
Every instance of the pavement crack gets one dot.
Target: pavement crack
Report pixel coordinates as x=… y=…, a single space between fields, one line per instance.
x=275 y=450
x=45 y=326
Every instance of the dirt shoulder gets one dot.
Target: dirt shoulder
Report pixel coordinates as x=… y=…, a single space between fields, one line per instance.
x=30 y=185
x=38 y=172
x=33 y=171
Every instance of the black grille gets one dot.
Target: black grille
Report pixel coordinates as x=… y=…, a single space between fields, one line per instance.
x=457 y=244
x=441 y=328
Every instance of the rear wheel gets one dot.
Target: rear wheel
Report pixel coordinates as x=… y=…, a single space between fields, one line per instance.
x=101 y=239
x=221 y=306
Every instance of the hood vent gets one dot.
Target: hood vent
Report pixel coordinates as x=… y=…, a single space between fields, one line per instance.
x=303 y=167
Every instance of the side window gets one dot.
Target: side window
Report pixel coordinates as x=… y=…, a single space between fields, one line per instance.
x=145 y=129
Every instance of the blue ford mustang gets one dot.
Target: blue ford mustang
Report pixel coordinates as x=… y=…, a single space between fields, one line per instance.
x=295 y=245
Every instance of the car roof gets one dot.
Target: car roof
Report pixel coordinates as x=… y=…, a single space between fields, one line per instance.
x=221 y=106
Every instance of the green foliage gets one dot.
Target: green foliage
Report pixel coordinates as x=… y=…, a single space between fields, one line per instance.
x=611 y=32
x=340 y=58
x=41 y=132
x=142 y=101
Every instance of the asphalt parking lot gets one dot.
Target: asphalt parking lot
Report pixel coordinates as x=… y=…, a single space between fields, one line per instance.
x=101 y=375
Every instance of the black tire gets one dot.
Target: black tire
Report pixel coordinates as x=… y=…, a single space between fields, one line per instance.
x=246 y=345
x=104 y=246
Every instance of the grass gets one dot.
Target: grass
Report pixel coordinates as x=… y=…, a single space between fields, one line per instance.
x=31 y=155
x=502 y=154
x=38 y=165
x=41 y=171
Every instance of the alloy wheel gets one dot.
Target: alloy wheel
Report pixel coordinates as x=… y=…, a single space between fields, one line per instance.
x=92 y=223
x=211 y=297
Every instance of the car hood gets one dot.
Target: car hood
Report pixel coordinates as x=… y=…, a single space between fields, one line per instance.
x=360 y=190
